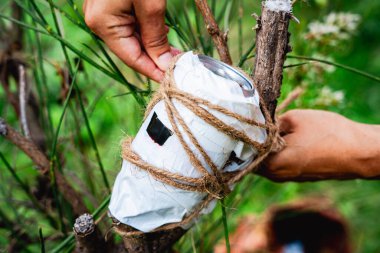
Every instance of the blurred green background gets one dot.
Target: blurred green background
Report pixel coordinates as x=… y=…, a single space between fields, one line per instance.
x=114 y=113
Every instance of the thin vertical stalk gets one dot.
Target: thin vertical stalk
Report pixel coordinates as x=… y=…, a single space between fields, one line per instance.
x=59 y=32
x=225 y=225
x=240 y=26
x=92 y=138
x=190 y=29
x=53 y=156
x=42 y=240
x=245 y=56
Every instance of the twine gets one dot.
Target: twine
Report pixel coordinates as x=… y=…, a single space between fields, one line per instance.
x=215 y=184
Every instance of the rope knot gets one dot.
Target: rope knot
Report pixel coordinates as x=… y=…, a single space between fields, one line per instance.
x=215 y=183
x=215 y=187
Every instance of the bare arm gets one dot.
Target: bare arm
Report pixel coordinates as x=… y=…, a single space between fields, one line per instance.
x=324 y=145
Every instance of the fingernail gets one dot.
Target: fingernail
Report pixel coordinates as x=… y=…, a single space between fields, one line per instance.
x=164 y=60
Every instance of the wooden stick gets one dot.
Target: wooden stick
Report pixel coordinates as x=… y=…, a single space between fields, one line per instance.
x=219 y=38
x=43 y=165
x=272 y=38
x=88 y=237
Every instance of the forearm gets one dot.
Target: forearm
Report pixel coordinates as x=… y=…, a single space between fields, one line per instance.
x=324 y=145
x=367 y=158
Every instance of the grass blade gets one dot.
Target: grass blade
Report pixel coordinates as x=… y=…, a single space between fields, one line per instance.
x=225 y=225
x=245 y=56
x=42 y=240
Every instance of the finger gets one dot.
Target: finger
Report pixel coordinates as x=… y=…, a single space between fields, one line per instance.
x=118 y=32
x=151 y=19
x=284 y=165
x=286 y=123
x=128 y=49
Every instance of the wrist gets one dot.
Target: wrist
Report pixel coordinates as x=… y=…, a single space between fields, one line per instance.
x=367 y=157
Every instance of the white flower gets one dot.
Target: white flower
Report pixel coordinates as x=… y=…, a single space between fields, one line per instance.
x=318 y=29
x=335 y=27
x=328 y=97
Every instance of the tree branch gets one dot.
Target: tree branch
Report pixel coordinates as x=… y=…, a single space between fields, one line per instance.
x=88 y=237
x=272 y=38
x=219 y=38
x=43 y=165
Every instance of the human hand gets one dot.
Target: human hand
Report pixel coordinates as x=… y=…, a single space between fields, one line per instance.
x=135 y=31
x=323 y=145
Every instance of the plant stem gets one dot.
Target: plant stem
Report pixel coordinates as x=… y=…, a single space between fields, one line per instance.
x=42 y=240
x=225 y=225
x=342 y=66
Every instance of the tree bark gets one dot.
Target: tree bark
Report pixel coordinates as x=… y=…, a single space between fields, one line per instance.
x=272 y=45
x=87 y=235
x=272 y=38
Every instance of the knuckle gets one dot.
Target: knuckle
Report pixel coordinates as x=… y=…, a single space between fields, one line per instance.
x=156 y=41
x=156 y=9
x=91 y=20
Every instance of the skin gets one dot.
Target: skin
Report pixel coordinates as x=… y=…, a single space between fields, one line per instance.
x=324 y=145
x=135 y=31
x=320 y=145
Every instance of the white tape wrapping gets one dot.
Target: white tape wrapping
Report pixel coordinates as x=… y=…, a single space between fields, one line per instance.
x=144 y=203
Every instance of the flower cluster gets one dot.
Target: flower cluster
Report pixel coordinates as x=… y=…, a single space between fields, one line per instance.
x=334 y=28
x=327 y=97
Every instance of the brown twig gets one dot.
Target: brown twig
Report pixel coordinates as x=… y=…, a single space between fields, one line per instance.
x=43 y=165
x=27 y=146
x=293 y=95
x=219 y=37
x=23 y=101
x=272 y=38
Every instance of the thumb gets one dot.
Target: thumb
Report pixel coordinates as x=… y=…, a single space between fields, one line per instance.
x=151 y=18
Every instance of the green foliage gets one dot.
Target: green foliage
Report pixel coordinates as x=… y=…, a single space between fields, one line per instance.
x=88 y=101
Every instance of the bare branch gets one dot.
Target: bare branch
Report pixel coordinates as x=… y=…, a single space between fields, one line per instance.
x=219 y=37
x=43 y=165
x=22 y=100
x=27 y=146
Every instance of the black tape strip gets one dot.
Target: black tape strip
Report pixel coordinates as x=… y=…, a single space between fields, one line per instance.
x=233 y=158
x=158 y=131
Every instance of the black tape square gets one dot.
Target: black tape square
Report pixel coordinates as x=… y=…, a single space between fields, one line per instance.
x=158 y=131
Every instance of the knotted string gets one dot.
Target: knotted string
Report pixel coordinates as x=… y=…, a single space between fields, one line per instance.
x=215 y=183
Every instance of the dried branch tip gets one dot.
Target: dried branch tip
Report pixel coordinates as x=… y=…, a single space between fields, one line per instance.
x=279 y=5
x=84 y=225
x=3 y=127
